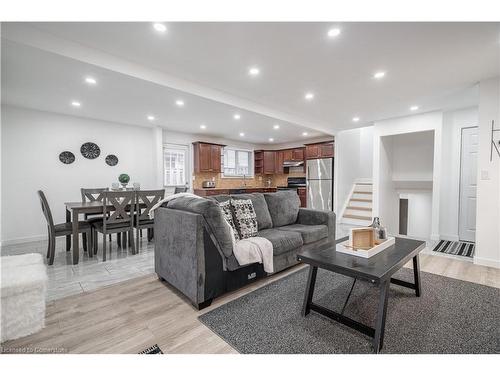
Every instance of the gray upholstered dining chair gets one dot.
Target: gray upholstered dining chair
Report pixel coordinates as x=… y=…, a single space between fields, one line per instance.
x=63 y=229
x=117 y=217
x=145 y=200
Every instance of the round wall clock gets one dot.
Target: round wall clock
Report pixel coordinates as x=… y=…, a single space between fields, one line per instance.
x=90 y=150
x=111 y=160
x=67 y=157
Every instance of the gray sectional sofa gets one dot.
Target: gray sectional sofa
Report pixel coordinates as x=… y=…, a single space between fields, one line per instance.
x=193 y=245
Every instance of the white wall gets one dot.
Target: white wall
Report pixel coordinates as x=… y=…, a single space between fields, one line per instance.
x=353 y=160
x=488 y=187
x=413 y=156
x=385 y=204
x=419 y=214
x=453 y=122
x=31 y=143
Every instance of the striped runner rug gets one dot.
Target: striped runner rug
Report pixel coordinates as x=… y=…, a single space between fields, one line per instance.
x=465 y=249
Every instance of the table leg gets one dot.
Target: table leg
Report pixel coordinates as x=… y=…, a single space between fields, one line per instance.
x=68 y=238
x=378 y=339
x=76 y=245
x=416 y=275
x=311 y=281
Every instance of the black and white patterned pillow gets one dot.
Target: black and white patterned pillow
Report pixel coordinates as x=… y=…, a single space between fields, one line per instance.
x=227 y=212
x=245 y=217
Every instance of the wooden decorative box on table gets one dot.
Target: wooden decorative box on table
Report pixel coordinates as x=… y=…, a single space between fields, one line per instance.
x=362 y=243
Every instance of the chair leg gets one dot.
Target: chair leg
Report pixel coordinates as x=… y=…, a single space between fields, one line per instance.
x=84 y=241
x=131 y=240
x=119 y=239
x=124 y=239
x=52 y=246
x=90 y=251
x=140 y=232
x=110 y=238
x=137 y=240
x=150 y=234
x=95 y=239
x=104 y=242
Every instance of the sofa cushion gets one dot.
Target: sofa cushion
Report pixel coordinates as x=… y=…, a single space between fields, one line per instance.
x=220 y=198
x=227 y=212
x=245 y=217
x=283 y=207
x=309 y=233
x=212 y=213
x=282 y=241
x=260 y=207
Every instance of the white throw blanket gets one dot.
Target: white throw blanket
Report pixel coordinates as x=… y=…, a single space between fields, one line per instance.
x=168 y=199
x=255 y=250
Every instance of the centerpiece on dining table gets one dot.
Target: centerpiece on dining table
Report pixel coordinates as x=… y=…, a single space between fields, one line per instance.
x=124 y=179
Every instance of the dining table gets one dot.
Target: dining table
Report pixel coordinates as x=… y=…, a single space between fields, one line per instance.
x=73 y=212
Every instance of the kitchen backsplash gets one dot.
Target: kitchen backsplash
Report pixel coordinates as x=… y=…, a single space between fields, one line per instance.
x=257 y=181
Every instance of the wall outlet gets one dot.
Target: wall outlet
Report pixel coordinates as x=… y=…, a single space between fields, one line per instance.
x=485 y=175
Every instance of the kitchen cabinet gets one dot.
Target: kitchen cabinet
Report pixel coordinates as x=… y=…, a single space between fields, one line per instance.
x=278 y=162
x=288 y=155
x=302 y=192
x=319 y=150
x=269 y=158
x=207 y=157
x=298 y=154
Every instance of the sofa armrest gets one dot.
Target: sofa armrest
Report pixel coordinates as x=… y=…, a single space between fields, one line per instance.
x=308 y=216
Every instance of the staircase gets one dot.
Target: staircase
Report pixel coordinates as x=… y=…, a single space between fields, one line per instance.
x=358 y=210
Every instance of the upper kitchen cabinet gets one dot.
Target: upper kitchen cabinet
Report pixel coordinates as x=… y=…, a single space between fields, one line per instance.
x=293 y=154
x=320 y=150
x=269 y=162
x=207 y=157
x=278 y=162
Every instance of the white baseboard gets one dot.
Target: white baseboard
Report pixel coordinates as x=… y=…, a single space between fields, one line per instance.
x=487 y=262
x=449 y=237
x=16 y=241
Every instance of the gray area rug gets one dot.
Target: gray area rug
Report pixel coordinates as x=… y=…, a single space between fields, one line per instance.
x=451 y=316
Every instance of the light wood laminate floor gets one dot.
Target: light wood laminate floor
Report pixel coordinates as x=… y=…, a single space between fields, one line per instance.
x=130 y=316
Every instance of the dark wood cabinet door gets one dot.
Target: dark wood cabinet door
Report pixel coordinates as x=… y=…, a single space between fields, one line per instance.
x=298 y=154
x=312 y=151
x=215 y=158
x=278 y=162
x=302 y=196
x=204 y=157
x=269 y=160
x=287 y=155
x=326 y=150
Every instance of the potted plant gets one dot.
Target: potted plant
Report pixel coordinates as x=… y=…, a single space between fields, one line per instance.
x=124 y=179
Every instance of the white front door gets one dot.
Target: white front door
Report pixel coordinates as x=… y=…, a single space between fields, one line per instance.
x=468 y=184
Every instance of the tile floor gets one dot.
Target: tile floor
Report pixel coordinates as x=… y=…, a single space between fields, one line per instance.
x=89 y=274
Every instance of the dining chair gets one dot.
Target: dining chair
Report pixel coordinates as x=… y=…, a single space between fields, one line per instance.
x=93 y=195
x=180 y=189
x=145 y=200
x=117 y=217
x=63 y=229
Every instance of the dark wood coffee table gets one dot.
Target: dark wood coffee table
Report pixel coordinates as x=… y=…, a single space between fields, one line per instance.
x=377 y=269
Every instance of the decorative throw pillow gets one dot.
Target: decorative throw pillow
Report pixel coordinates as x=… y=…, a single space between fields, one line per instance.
x=245 y=217
x=227 y=212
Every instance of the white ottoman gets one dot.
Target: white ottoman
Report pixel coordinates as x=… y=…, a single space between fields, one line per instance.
x=23 y=289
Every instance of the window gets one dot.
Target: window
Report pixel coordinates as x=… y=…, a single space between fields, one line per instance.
x=175 y=164
x=237 y=163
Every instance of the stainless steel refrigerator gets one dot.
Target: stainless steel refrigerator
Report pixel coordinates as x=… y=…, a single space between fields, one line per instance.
x=320 y=184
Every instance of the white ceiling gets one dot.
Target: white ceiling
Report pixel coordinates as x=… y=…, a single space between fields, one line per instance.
x=432 y=65
x=45 y=81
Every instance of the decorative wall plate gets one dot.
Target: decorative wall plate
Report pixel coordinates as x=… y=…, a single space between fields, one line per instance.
x=90 y=150
x=111 y=160
x=67 y=157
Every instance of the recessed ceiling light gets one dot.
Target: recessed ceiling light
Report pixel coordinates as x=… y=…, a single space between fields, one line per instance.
x=332 y=33
x=242 y=134
x=90 y=80
x=236 y=116
x=271 y=139
x=414 y=108
x=379 y=75
x=151 y=118
x=203 y=126
x=160 y=27
x=305 y=133
x=254 y=71
x=276 y=126
x=355 y=119
x=179 y=103
x=309 y=96
x=76 y=104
